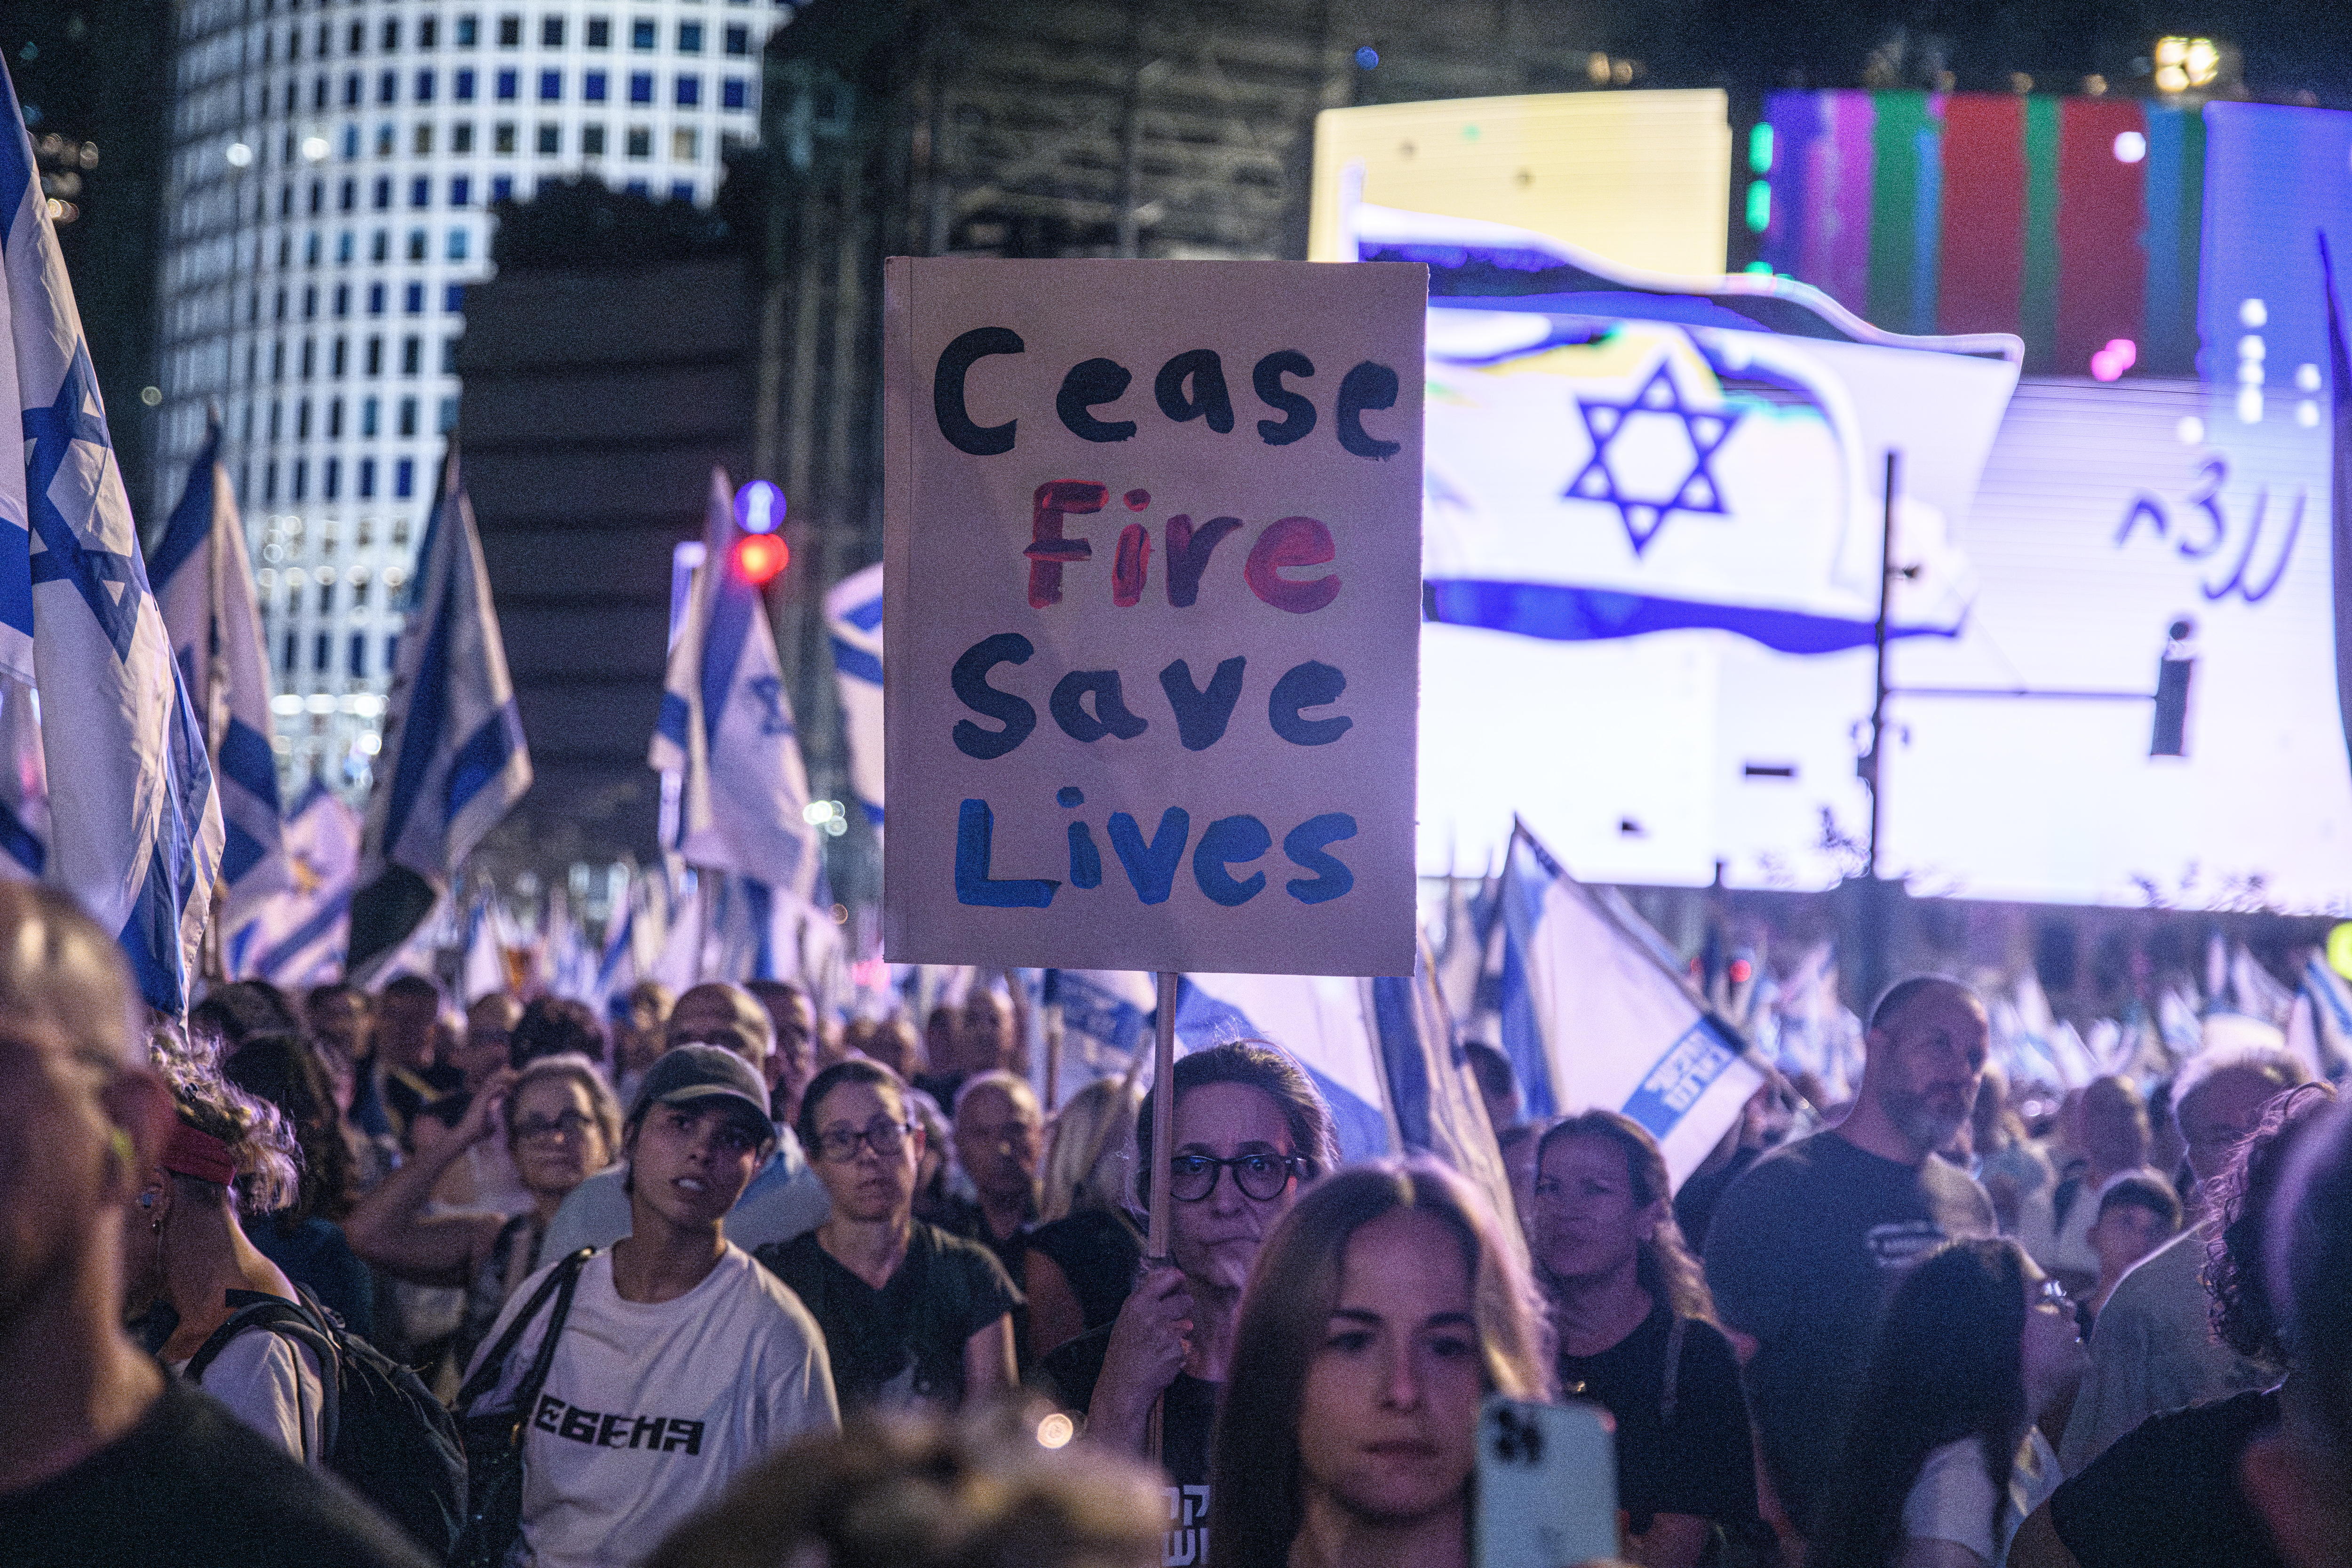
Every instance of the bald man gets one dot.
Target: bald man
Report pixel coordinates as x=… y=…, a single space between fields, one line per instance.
x=110 y=1460
x=2153 y=1348
x=784 y=1198
x=1807 y=1245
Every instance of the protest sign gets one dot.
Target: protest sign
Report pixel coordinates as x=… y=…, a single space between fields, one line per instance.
x=1153 y=568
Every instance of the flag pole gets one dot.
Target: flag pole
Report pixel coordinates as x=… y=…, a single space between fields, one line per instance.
x=1053 y=1056
x=1163 y=1114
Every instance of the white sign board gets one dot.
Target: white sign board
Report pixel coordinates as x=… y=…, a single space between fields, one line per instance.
x=1153 y=569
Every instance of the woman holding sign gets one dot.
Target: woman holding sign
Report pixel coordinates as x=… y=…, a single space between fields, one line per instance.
x=1250 y=1131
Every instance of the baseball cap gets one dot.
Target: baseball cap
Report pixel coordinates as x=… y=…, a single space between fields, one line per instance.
x=704 y=1075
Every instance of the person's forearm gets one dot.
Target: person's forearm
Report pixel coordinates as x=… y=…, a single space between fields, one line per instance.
x=394 y=1211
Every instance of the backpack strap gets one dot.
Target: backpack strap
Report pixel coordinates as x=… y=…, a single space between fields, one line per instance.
x=565 y=1276
x=300 y=1325
x=1670 y=1394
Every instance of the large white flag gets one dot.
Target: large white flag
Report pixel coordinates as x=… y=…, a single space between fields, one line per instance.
x=1592 y=1019
x=454 y=760
x=137 y=839
x=298 y=936
x=853 y=614
x=726 y=728
x=203 y=582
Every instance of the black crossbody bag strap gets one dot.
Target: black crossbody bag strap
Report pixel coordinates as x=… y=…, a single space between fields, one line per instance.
x=560 y=1283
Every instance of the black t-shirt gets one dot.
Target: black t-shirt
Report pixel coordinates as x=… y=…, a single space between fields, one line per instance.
x=1697 y=1461
x=1098 y=1253
x=1804 y=1251
x=904 y=1341
x=192 y=1487
x=1188 y=1416
x=2167 y=1491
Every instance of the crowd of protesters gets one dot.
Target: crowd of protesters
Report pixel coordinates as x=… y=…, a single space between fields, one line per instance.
x=710 y=1281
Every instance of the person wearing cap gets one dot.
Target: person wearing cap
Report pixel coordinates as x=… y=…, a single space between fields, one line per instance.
x=680 y=1361
x=785 y=1197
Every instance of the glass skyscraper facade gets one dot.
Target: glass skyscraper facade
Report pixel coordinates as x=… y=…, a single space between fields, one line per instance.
x=333 y=169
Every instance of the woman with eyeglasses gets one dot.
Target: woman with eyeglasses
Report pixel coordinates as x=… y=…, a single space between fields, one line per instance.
x=1943 y=1460
x=561 y=1126
x=913 y=1316
x=1250 y=1131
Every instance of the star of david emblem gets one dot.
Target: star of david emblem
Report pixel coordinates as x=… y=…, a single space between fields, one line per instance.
x=1643 y=505
x=96 y=573
x=770 y=690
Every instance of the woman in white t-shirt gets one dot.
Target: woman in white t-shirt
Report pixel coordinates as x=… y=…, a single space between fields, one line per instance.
x=1943 y=1459
x=680 y=1359
x=187 y=1259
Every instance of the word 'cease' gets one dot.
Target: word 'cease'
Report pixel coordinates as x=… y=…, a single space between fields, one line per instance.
x=1190 y=385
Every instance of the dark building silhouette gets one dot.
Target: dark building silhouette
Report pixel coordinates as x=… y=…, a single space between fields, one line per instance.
x=606 y=368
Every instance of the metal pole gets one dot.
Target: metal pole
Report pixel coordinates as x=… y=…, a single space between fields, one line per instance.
x=1053 y=1058
x=1163 y=1115
x=1873 y=773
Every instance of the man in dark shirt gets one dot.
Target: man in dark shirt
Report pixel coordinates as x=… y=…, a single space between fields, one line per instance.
x=1807 y=1245
x=107 y=1463
x=999 y=1139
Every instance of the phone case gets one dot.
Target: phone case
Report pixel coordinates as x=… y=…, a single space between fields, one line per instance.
x=1547 y=1484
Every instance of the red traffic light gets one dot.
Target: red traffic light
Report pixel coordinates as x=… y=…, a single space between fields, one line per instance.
x=759 y=556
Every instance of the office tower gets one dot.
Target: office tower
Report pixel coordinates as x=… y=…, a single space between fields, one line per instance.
x=335 y=166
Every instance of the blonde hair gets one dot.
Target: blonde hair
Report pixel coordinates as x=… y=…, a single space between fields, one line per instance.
x=1085 y=1163
x=573 y=1067
x=260 y=1139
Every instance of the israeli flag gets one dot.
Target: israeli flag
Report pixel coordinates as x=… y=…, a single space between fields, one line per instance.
x=1106 y=1020
x=853 y=614
x=768 y=934
x=681 y=961
x=203 y=582
x=617 y=961
x=24 y=784
x=454 y=757
x=1591 y=1017
x=138 y=838
x=299 y=935
x=482 y=970
x=726 y=728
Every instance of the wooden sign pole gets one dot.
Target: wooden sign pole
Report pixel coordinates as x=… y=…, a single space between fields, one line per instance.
x=1163 y=1115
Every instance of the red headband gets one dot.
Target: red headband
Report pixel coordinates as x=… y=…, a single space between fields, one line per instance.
x=190 y=1152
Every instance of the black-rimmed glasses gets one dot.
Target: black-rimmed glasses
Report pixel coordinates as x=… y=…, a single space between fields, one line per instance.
x=1192 y=1177
x=887 y=1138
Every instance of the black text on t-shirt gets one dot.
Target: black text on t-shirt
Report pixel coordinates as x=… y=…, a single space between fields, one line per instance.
x=655 y=1434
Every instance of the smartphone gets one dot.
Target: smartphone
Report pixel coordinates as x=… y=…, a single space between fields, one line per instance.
x=1547 y=1484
